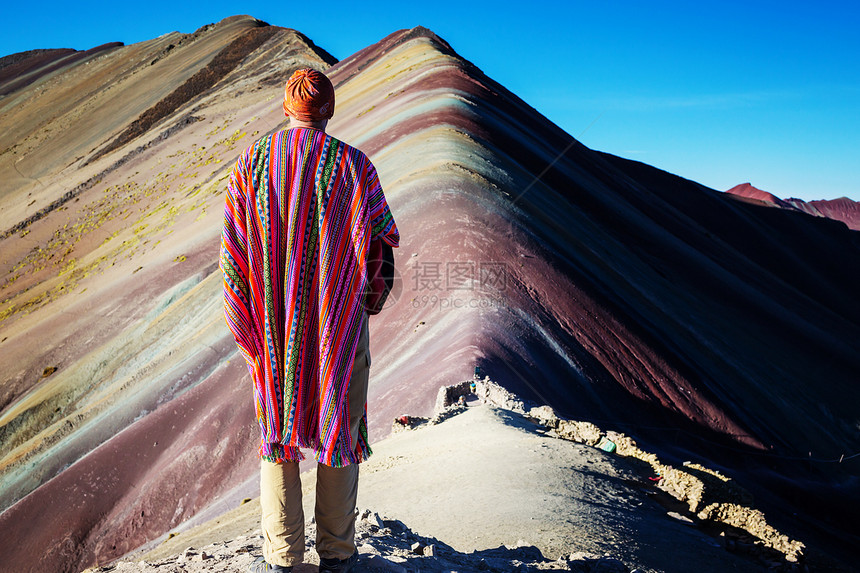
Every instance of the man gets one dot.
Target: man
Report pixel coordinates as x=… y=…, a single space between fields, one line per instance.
x=301 y=212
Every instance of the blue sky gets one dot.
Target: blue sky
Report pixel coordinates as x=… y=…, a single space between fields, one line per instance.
x=720 y=92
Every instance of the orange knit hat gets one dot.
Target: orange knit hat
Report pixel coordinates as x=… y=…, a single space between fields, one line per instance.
x=309 y=96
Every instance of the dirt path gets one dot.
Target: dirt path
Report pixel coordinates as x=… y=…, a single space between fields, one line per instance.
x=489 y=491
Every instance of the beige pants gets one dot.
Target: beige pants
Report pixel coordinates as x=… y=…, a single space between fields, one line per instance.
x=283 y=520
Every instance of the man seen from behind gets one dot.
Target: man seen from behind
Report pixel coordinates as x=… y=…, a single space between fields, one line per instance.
x=302 y=210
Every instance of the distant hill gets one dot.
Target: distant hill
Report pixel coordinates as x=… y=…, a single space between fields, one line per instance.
x=842 y=209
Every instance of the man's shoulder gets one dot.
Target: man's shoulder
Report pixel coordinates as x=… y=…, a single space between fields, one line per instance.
x=249 y=150
x=350 y=149
x=260 y=144
x=354 y=155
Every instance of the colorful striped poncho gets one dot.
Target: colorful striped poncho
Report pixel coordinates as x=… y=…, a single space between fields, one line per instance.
x=301 y=209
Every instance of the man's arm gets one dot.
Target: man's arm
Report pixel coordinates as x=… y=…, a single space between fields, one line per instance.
x=383 y=238
x=234 y=263
x=382 y=223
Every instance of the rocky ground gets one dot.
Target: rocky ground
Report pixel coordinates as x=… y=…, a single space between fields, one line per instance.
x=621 y=511
x=383 y=545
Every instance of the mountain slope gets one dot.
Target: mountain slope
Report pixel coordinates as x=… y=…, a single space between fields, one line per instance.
x=619 y=277
x=112 y=327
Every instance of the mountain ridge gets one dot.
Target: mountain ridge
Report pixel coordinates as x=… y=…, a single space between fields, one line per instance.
x=607 y=289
